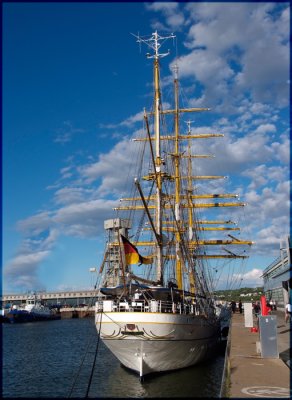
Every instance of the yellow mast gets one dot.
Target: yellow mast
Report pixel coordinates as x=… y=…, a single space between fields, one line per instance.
x=179 y=279
x=158 y=166
x=154 y=42
x=190 y=211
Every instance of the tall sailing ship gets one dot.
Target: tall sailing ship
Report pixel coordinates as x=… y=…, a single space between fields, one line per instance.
x=156 y=310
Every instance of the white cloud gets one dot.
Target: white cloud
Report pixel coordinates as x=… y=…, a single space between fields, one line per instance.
x=42 y=231
x=207 y=67
x=83 y=219
x=112 y=168
x=68 y=195
x=282 y=150
x=129 y=122
x=262 y=174
x=260 y=108
x=174 y=18
x=259 y=57
x=28 y=259
x=22 y=270
x=251 y=278
x=66 y=133
x=36 y=223
x=66 y=172
x=266 y=128
x=267 y=214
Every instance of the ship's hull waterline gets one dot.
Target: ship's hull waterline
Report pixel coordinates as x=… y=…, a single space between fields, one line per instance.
x=156 y=342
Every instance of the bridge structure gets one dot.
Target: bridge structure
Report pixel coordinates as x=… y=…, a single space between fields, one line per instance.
x=66 y=298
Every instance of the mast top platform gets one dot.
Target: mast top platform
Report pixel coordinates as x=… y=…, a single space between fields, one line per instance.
x=155 y=41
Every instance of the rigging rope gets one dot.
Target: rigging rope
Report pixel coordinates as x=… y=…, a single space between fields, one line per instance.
x=82 y=362
x=95 y=357
x=78 y=372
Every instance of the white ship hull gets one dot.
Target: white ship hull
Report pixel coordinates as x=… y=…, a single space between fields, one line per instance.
x=156 y=342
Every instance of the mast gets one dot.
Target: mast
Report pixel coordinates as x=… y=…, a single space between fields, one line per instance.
x=158 y=163
x=154 y=42
x=190 y=211
x=177 y=183
x=190 y=185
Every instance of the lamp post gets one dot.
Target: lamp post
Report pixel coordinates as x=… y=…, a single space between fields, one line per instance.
x=92 y=270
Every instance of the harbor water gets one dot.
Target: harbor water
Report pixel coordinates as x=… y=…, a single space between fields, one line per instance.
x=55 y=360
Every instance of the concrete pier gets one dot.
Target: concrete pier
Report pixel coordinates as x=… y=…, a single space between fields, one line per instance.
x=247 y=374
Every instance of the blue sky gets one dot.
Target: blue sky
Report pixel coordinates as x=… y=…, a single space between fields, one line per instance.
x=74 y=85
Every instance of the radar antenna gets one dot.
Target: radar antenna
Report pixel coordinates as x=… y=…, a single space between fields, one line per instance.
x=155 y=41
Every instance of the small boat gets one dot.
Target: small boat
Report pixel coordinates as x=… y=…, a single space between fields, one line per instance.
x=157 y=312
x=32 y=311
x=3 y=316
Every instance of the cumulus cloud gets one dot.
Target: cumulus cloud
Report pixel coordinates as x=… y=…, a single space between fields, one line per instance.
x=108 y=169
x=251 y=278
x=22 y=270
x=268 y=215
x=35 y=224
x=281 y=149
x=83 y=219
x=234 y=154
x=262 y=174
x=174 y=18
x=41 y=232
x=68 y=195
x=207 y=67
x=256 y=61
x=128 y=122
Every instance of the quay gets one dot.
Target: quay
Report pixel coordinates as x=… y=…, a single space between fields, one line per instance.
x=247 y=373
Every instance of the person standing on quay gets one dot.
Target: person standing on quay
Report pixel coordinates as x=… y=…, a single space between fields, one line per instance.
x=240 y=306
x=233 y=306
x=288 y=310
x=257 y=309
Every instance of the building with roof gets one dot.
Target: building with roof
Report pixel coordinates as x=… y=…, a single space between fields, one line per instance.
x=277 y=276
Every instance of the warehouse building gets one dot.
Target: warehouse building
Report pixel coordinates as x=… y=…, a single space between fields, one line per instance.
x=277 y=277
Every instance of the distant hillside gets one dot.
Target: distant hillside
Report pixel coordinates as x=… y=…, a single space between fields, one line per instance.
x=244 y=294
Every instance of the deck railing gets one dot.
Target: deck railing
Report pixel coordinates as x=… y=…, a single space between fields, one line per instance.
x=142 y=305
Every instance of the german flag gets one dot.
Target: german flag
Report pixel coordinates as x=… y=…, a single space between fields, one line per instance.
x=132 y=255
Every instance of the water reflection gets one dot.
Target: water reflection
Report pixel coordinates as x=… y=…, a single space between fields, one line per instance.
x=114 y=380
x=54 y=360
